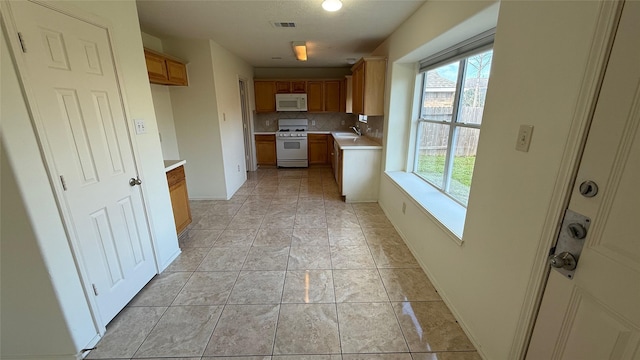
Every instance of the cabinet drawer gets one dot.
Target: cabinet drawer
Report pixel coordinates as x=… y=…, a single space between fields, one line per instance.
x=175 y=176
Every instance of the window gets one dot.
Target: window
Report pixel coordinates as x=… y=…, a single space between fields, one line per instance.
x=451 y=106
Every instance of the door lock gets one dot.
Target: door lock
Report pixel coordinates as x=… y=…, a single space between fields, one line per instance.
x=564 y=260
x=135 y=181
x=577 y=231
x=566 y=254
x=588 y=188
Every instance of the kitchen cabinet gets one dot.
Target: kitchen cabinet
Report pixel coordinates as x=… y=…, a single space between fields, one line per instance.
x=179 y=198
x=356 y=167
x=315 y=96
x=332 y=95
x=336 y=164
x=322 y=95
x=294 y=86
x=163 y=70
x=325 y=96
x=320 y=146
x=368 y=77
x=265 y=95
x=266 y=149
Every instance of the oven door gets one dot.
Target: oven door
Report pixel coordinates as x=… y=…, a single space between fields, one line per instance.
x=292 y=152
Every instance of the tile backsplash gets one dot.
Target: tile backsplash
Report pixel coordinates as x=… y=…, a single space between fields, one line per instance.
x=317 y=121
x=323 y=122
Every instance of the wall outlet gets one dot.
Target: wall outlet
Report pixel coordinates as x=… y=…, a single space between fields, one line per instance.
x=313 y=123
x=404 y=207
x=238 y=167
x=524 y=138
x=342 y=122
x=140 y=126
x=267 y=122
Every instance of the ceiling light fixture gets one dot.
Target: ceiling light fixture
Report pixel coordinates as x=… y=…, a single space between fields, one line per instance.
x=300 y=49
x=332 y=5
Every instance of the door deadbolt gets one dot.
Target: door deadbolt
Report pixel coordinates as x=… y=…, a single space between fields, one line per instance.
x=588 y=188
x=577 y=231
x=135 y=181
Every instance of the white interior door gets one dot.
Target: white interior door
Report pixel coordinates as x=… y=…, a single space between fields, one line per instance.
x=83 y=130
x=596 y=315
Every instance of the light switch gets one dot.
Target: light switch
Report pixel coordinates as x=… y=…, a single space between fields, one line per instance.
x=140 y=126
x=524 y=138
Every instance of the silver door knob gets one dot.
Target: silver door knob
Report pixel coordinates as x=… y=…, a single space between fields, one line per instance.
x=564 y=260
x=135 y=181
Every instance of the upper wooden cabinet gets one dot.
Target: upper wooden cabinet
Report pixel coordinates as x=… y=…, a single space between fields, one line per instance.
x=265 y=94
x=165 y=71
x=326 y=96
x=333 y=99
x=315 y=96
x=322 y=95
x=368 y=76
x=293 y=86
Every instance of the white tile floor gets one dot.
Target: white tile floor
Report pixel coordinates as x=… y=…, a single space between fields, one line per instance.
x=287 y=270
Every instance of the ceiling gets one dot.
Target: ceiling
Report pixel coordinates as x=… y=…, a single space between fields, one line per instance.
x=246 y=27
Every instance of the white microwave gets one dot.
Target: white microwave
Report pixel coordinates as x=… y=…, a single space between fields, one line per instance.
x=291 y=102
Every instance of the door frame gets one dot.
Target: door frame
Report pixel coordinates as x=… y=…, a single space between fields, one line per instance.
x=601 y=44
x=27 y=84
x=251 y=164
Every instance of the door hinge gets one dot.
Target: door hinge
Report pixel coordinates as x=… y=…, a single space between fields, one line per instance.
x=24 y=49
x=64 y=183
x=95 y=289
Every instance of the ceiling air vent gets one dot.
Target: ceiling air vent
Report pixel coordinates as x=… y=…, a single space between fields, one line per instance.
x=283 y=24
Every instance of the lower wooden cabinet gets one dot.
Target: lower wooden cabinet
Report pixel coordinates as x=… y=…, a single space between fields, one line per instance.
x=266 y=149
x=319 y=146
x=179 y=198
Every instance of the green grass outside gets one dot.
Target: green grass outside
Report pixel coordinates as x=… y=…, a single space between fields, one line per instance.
x=462 y=167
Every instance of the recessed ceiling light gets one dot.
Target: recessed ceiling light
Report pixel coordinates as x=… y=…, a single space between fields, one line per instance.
x=332 y=5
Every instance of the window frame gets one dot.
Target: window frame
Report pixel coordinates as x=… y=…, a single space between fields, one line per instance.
x=454 y=124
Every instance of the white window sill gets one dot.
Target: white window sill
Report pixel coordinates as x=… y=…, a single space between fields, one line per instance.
x=445 y=211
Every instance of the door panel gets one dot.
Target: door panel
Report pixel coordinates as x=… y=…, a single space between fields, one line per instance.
x=84 y=133
x=596 y=315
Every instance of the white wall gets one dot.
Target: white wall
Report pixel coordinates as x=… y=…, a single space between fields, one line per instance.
x=162 y=106
x=227 y=70
x=208 y=117
x=161 y=95
x=23 y=154
x=540 y=54
x=195 y=113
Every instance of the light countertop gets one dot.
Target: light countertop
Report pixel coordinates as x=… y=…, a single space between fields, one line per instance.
x=351 y=141
x=172 y=164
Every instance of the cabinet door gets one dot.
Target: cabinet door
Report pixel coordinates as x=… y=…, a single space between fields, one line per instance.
x=283 y=87
x=180 y=205
x=373 y=87
x=358 y=89
x=315 y=96
x=265 y=96
x=177 y=72
x=156 y=68
x=266 y=149
x=332 y=95
x=299 y=86
x=318 y=149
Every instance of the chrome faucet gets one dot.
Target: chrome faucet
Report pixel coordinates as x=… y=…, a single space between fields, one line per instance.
x=356 y=129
